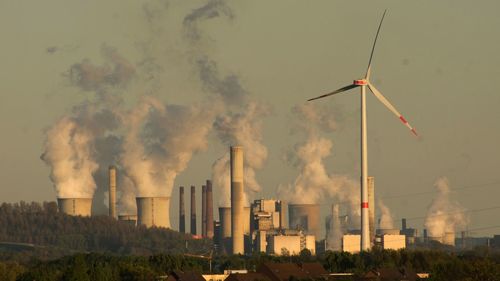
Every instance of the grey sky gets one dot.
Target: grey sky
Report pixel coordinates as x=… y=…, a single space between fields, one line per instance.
x=437 y=61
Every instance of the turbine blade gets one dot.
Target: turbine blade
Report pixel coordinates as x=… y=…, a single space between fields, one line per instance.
x=343 y=89
x=368 y=70
x=383 y=100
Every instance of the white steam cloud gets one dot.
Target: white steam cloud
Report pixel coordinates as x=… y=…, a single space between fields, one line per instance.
x=314 y=184
x=386 y=219
x=444 y=215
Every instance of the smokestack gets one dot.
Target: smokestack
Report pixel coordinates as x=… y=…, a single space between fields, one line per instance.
x=282 y=209
x=371 y=207
x=112 y=191
x=75 y=206
x=210 y=211
x=153 y=211
x=182 y=212
x=203 y=211
x=237 y=216
x=403 y=224
x=193 y=210
x=425 y=235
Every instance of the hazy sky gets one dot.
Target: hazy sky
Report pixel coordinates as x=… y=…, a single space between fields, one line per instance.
x=437 y=61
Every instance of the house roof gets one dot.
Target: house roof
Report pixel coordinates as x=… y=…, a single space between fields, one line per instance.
x=250 y=276
x=283 y=271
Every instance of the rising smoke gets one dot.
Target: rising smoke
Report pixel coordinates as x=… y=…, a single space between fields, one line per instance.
x=239 y=118
x=314 y=185
x=386 y=220
x=444 y=215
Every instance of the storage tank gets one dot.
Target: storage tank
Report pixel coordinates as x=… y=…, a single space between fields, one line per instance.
x=75 y=206
x=306 y=217
x=153 y=211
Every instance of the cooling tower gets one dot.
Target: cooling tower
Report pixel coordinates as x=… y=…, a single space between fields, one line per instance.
x=130 y=219
x=203 y=211
x=306 y=217
x=371 y=208
x=210 y=211
x=193 y=210
x=237 y=201
x=75 y=206
x=153 y=211
x=182 y=211
x=112 y=191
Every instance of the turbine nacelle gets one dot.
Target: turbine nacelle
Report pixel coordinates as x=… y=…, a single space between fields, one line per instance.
x=360 y=82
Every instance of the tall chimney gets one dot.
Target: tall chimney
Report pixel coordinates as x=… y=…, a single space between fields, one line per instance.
x=403 y=224
x=371 y=208
x=193 y=210
x=237 y=216
x=182 y=212
x=210 y=211
x=112 y=191
x=203 y=211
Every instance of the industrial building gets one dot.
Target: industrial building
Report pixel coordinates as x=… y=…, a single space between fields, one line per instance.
x=305 y=217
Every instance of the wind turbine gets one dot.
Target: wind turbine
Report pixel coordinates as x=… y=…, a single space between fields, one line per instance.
x=362 y=84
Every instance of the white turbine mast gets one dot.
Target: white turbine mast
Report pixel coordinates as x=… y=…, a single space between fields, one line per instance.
x=363 y=83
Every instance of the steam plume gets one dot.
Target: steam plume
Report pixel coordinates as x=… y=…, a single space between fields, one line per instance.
x=314 y=184
x=386 y=219
x=444 y=215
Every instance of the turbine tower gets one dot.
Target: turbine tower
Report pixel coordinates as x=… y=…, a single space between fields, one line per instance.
x=362 y=84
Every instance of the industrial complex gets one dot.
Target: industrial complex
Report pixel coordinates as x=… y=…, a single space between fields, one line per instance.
x=271 y=226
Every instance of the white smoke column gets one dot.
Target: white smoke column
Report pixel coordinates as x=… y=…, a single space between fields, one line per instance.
x=444 y=215
x=160 y=141
x=314 y=184
x=68 y=152
x=243 y=129
x=386 y=219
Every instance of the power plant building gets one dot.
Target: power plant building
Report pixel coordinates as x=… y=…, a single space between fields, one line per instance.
x=153 y=211
x=305 y=217
x=284 y=245
x=130 y=219
x=75 y=206
x=351 y=243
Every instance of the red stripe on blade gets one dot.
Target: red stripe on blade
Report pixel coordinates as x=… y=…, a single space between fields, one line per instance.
x=403 y=119
x=364 y=205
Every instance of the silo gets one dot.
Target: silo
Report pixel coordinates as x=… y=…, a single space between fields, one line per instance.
x=306 y=217
x=225 y=229
x=75 y=206
x=193 y=210
x=182 y=211
x=371 y=207
x=112 y=191
x=237 y=201
x=210 y=210
x=153 y=211
x=203 y=211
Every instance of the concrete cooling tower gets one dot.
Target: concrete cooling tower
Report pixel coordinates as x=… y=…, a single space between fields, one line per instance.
x=306 y=217
x=75 y=206
x=153 y=211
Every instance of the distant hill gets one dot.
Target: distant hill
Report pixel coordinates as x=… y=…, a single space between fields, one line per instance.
x=40 y=227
